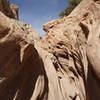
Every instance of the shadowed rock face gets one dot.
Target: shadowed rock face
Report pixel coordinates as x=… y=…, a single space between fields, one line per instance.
x=64 y=65
x=9 y=10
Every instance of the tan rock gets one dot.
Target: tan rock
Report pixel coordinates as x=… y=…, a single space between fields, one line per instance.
x=64 y=65
x=9 y=10
x=14 y=10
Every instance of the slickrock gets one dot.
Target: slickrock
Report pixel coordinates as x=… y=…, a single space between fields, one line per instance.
x=63 y=65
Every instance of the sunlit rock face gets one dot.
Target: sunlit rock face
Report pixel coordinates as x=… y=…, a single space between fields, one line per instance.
x=63 y=65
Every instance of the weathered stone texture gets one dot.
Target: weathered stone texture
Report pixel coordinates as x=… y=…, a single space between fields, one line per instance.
x=63 y=65
x=9 y=10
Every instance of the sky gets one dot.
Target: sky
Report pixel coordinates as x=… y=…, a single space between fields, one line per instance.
x=39 y=12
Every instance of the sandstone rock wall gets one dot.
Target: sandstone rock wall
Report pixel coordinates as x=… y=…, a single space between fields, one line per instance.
x=9 y=10
x=64 y=65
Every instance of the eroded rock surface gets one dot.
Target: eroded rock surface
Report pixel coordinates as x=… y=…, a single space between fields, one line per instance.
x=64 y=65
x=9 y=10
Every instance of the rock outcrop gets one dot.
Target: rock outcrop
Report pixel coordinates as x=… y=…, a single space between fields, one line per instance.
x=64 y=65
x=9 y=10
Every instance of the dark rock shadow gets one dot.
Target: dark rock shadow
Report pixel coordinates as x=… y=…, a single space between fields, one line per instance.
x=93 y=85
x=21 y=84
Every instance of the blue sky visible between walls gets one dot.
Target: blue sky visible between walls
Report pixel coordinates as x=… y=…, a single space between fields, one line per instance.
x=39 y=12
